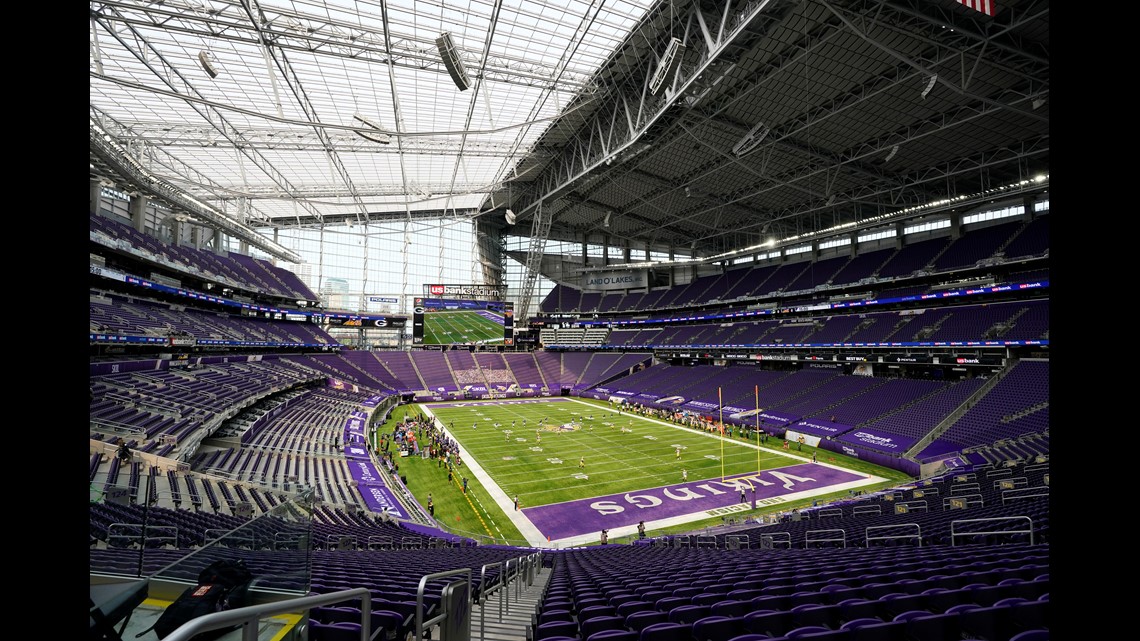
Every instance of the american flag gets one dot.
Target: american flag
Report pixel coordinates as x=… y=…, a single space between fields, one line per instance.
x=985 y=6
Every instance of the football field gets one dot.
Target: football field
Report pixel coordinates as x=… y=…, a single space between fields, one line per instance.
x=578 y=468
x=451 y=327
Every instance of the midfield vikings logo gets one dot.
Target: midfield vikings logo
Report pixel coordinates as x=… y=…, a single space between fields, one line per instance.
x=565 y=427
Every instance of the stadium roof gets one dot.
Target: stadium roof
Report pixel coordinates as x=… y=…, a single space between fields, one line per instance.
x=778 y=118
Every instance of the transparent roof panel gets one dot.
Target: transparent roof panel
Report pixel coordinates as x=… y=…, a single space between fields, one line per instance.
x=261 y=104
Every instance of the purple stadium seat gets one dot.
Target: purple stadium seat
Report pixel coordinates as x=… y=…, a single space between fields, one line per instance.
x=638 y=621
x=613 y=635
x=796 y=633
x=852 y=624
x=689 y=613
x=555 y=615
x=667 y=632
x=555 y=629
x=716 y=627
x=588 y=627
x=731 y=608
x=340 y=631
x=1031 y=635
x=629 y=607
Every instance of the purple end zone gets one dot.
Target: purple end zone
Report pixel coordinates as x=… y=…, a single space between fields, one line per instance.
x=586 y=516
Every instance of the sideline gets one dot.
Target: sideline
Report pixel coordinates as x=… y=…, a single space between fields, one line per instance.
x=525 y=527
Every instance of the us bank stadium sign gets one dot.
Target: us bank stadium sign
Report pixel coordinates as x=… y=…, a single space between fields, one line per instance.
x=465 y=291
x=627 y=279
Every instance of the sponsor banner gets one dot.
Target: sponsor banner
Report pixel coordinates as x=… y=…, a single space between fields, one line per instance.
x=383 y=299
x=365 y=322
x=625 y=279
x=379 y=498
x=466 y=291
x=364 y=472
x=590 y=516
x=776 y=357
x=109 y=273
x=821 y=428
x=671 y=400
x=354 y=427
x=769 y=416
x=970 y=360
x=336 y=383
x=907 y=359
x=356 y=451
x=877 y=440
x=430 y=531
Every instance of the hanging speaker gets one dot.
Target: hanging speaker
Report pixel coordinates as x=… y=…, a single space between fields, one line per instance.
x=668 y=67
x=451 y=61
x=750 y=140
x=207 y=66
x=510 y=217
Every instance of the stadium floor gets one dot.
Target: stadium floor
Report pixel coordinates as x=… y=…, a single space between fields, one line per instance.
x=580 y=521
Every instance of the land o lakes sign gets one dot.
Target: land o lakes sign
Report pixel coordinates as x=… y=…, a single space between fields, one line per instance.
x=604 y=281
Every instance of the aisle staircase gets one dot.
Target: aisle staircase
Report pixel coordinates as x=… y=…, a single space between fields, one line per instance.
x=518 y=605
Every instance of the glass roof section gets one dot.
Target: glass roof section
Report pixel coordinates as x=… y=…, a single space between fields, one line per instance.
x=257 y=108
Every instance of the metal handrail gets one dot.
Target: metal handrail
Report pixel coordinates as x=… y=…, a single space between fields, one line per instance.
x=972 y=500
x=420 y=599
x=141 y=533
x=915 y=505
x=484 y=590
x=809 y=539
x=962 y=488
x=917 y=536
x=522 y=567
x=954 y=534
x=771 y=539
x=253 y=613
x=507 y=579
x=1024 y=493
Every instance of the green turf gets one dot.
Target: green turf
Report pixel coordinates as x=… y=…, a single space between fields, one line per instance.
x=615 y=462
x=451 y=327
